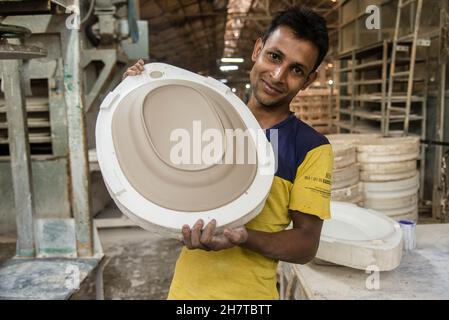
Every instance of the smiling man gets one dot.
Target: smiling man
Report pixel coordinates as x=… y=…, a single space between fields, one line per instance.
x=241 y=263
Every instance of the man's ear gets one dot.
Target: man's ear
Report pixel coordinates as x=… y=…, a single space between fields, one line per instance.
x=257 y=49
x=312 y=77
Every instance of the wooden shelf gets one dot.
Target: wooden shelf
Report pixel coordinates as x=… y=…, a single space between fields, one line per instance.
x=32 y=139
x=367 y=65
x=377 y=116
x=38 y=123
x=377 y=97
x=31 y=124
x=32 y=108
x=360 y=128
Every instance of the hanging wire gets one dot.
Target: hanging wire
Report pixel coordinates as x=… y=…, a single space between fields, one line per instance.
x=89 y=12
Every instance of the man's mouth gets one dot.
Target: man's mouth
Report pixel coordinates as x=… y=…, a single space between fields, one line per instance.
x=270 y=90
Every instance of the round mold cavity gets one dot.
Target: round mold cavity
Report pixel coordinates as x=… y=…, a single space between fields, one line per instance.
x=143 y=127
x=352 y=223
x=358 y=238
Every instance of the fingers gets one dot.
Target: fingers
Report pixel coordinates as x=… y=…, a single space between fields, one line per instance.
x=135 y=70
x=219 y=242
x=196 y=239
x=236 y=236
x=130 y=72
x=191 y=237
x=196 y=234
x=140 y=64
x=208 y=233
x=186 y=236
x=232 y=235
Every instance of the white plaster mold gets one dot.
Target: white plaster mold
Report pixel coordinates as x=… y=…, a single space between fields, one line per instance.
x=358 y=238
x=133 y=143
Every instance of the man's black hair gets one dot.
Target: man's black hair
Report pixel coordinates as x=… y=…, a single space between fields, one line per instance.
x=306 y=24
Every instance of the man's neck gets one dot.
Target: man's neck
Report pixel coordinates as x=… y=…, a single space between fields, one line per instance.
x=266 y=116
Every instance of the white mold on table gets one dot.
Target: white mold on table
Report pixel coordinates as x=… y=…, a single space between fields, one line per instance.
x=358 y=238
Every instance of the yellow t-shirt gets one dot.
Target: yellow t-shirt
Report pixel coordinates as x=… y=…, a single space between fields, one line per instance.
x=302 y=182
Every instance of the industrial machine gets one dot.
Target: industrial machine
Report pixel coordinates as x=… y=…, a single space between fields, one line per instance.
x=58 y=59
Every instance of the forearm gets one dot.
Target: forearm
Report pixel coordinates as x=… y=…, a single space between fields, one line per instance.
x=296 y=245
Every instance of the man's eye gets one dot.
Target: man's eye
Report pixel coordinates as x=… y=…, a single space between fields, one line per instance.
x=297 y=70
x=274 y=56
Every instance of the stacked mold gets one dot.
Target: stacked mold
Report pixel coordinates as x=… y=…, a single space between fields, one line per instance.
x=345 y=176
x=389 y=179
x=388 y=170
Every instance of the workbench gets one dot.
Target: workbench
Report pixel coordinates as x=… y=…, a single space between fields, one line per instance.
x=56 y=272
x=422 y=274
x=47 y=279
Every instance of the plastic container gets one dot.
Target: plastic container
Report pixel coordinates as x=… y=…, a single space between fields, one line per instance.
x=409 y=234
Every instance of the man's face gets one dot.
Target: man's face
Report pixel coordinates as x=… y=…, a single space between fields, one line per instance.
x=282 y=67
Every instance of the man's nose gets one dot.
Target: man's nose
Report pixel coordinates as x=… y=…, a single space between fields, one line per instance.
x=279 y=73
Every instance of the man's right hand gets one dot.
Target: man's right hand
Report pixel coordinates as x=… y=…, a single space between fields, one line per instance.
x=196 y=238
x=134 y=70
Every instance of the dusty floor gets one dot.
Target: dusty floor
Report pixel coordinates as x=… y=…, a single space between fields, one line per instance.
x=140 y=265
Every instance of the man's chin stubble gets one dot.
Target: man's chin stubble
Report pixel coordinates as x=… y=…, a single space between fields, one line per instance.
x=268 y=105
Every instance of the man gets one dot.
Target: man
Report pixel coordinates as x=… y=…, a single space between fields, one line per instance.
x=241 y=263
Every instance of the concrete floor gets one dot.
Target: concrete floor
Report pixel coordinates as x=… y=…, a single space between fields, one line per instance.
x=140 y=265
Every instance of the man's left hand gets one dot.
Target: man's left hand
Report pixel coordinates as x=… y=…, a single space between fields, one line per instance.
x=197 y=238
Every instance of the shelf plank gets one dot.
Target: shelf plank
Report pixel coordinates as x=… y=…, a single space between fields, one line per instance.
x=377 y=97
